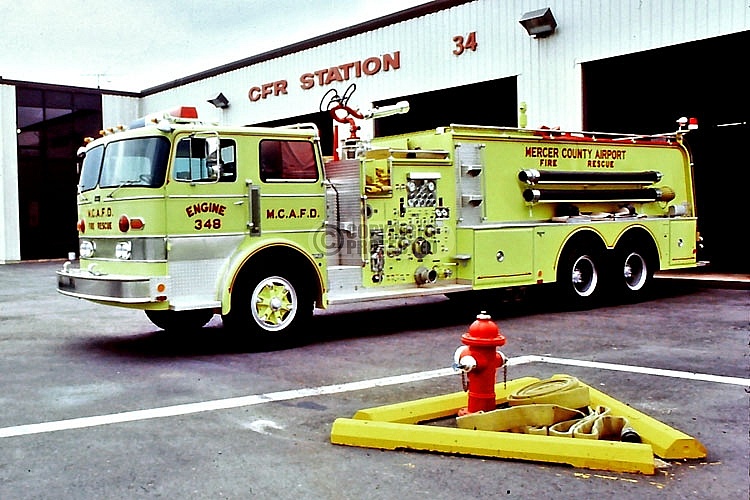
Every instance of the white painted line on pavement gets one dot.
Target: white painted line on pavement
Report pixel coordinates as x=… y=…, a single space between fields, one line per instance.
x=219 y=404
x=646 y=371
x=223 y=404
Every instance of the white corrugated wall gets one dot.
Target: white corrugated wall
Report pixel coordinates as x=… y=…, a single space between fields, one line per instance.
x=548 y=70
x=119 y=110
x=10 y=249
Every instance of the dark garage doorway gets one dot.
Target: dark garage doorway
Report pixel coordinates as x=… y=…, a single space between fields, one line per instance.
x=52 y=122
x=486 y=103
x=646 y=93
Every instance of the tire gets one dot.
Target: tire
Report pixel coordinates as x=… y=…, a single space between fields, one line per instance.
x=269 y=306
x=180 y=320
x=632 y=274
x=579 y=277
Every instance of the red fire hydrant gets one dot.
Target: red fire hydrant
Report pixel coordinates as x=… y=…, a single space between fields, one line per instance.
x=478 y=360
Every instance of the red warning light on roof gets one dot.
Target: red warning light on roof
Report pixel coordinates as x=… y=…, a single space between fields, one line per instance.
x=185 y=112
x=692 y=122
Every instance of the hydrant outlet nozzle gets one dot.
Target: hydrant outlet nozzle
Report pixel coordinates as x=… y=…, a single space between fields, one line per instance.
x=467 y=364
x=463 y=361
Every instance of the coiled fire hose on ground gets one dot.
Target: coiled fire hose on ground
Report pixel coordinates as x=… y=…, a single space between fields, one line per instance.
x=558 y=406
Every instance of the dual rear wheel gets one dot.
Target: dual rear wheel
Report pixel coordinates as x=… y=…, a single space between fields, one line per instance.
x=586 y=275
x=633 y=272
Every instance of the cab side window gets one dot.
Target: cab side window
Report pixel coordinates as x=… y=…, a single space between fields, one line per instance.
x=282 y=160
x=196 y=160
x=228 y=155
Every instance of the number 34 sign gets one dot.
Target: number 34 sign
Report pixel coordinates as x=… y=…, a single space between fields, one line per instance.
x=465 y=43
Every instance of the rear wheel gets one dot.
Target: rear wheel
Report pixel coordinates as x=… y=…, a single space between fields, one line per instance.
x=180 y=320
x=270 y=305
x=579 y=276
x=633 y=273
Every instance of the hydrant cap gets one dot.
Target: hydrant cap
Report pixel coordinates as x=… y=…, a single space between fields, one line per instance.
x=483 y=331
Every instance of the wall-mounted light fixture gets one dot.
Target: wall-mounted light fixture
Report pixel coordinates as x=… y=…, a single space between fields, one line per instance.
x=539 y=23
x=220 y=101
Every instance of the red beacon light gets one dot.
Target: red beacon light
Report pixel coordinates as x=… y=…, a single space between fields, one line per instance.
x=689 y=123
x=180 y=114
x=189 y=112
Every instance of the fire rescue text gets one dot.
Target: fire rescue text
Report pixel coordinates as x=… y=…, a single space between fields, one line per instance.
x=595 y=158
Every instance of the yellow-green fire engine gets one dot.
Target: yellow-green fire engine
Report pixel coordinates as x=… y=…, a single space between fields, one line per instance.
x=186 y=220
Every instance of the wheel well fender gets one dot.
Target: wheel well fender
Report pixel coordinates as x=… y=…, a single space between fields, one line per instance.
x=641 y=238
x=293 y=259
x=583 y=238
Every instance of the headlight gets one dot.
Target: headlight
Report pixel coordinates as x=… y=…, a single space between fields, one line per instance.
x=123 y=250
x=86 y=249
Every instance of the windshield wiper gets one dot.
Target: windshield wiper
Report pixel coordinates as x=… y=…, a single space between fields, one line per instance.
x=123 y=183
x=81 y=195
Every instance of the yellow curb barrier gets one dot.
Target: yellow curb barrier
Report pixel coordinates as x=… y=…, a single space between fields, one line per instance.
x=583 y=453
x=668 y=443
x=417 y=425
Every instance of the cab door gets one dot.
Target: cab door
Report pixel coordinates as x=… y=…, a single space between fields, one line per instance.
x=291 y=194
x=206 y=216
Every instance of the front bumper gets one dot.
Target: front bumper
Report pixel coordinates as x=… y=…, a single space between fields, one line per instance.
x=113 y=288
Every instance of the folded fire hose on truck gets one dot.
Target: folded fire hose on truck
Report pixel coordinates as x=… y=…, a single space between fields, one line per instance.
x=559 y=406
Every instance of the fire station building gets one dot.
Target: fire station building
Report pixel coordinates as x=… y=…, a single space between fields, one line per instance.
x=626 y=66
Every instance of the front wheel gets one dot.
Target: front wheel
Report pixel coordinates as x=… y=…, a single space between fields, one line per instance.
x=269 y=305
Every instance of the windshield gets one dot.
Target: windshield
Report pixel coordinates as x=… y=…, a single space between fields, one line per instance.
x=92 y=163
x=131 y=162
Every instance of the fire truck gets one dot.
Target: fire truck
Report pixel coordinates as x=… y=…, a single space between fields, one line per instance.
x=185 y=219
